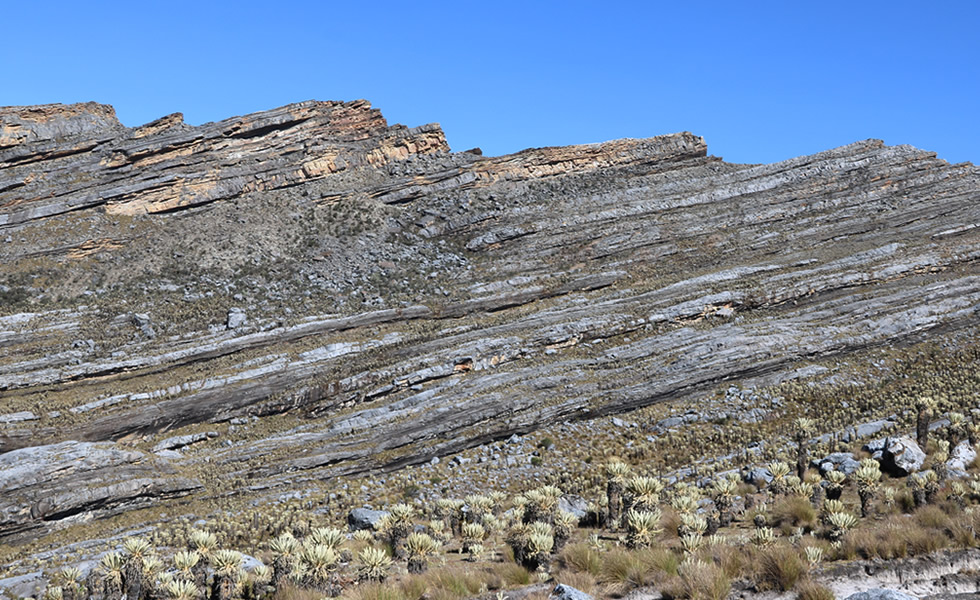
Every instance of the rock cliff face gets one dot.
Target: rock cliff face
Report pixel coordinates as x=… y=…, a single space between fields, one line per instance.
x=69 y=481
x=364 y=298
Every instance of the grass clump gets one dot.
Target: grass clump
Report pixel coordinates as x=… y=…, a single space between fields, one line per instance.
x=698 y=580
x=810 y=590
x=779 y=569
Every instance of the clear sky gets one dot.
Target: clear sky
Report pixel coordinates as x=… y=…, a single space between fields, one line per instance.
x=761 y=81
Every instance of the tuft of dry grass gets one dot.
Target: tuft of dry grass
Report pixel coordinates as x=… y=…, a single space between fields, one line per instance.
x=933 y=517
x=512 y=573
x=623 y=569
x=810 y=590
x=670 y=521
x=734 y=561
x=373 y=591
x=779 y=568
x=899 y=536
x=794 y=512
x=904 y=502
x=287 y=591
x=882 y=542
x=580 y=558
x=452 y=583
x=698 y=580
x=581 y=581
x=659 y=561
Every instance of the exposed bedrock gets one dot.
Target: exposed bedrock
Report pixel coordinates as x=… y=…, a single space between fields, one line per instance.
x=45 y=487
x=401 y=297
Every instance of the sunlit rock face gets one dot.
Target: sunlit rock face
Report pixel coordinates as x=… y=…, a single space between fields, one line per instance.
x=358 y=296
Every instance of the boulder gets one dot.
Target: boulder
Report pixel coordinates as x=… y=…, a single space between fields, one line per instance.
x=881 y=594
x=249 y=563
x=567 y=592
x=959 y=459
x=899 y=456
x=364 y=518
x=236 y=318
x=864 y=430
x=142 y=322
x=757 y=476
x=838 y=461
x=575 y=505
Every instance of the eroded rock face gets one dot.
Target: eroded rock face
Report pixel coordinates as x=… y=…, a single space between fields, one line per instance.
x=163 y=167
x=54 y=122
x=44 y=487
x=407 y=302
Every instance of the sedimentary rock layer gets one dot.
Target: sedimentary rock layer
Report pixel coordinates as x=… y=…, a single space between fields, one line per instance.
x=399 y=301
x=46 y=486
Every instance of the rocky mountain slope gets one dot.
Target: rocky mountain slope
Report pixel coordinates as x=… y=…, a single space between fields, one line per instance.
x=334 y=295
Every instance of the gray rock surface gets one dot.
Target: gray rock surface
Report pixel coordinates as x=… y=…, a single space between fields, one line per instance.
x=881 y=594
x=144 y=324
x=407 y=302
x=959 y=459
x=180 y=441
x=838 y=461
x=567 y=592
x=18 y=417
x=898 y=455
x=868 y=429
x=30 y=585
x=757 y=476
x=364 y=518
x=44 y=487
x=575 y=505
x=236 y=318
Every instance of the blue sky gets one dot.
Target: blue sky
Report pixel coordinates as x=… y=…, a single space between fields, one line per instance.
x=761 y=81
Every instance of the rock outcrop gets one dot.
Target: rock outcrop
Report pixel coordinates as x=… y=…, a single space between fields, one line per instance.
x=46 y=487
x=364 y=518
x=960 y=459
x=899 y=456
x=404 y=302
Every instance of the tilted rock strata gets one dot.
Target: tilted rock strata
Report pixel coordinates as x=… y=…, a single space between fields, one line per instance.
x=48 y=486
x=168 y=166
x=419 y=301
